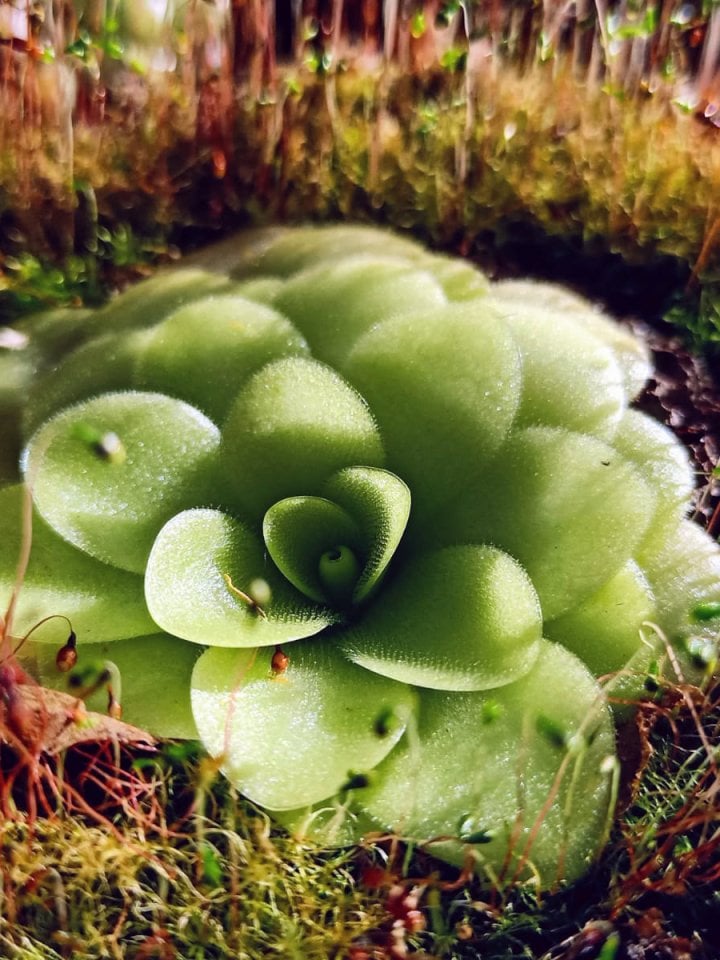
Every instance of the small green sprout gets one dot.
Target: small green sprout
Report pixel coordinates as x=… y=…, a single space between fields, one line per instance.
x=551 y=731
x=105 y=444
x=706 y=611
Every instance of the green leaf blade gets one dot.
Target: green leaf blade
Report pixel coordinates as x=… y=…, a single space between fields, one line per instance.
x=461 y=618
x=299 y=530
x=380 y=503
x=204 y=352
x=188 y=592
x=450 y=408
x=113 y=510
x=290 y=741
x=102 y=602
x=294 y=424
x=542 y=801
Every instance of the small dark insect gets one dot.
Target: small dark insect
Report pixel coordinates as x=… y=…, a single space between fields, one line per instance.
x=67 y=655
x=279 y=662
x=384 y=722
x=356 y=781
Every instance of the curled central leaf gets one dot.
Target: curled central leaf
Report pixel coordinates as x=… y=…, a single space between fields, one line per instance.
x=339 y=570
x=335 y=549
x=299 y=532
x=201 y=585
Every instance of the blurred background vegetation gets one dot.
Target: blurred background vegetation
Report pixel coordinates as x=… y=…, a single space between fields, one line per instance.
x=573 y=139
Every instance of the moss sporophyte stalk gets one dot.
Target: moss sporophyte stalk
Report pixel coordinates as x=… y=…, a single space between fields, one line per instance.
x=386 y=537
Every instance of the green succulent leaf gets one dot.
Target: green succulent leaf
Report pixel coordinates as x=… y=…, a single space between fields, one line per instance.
x=380 y=504
x=445 y=388
x=102 y=602
x=333 y=304
x=295 y=423
x=208 y=580
x=525 y=768
x=102 y=365
x=335 y=549
x=259 y=289
x=148 y=302
x=630 y=352
x=460 y=618
x=32 y=346
x=566 y=505
x=290 y=741
x=605 y=630
x=151 y=698
x=662 y=462
x=53 y=332
x=107 y=473
x=239 y=255
x=632 y=355
x=684 y=570
x=205 y=351
x=299 y=531
x=592 y=400
x=286 y=252
x=290 y=252
x=459 y=279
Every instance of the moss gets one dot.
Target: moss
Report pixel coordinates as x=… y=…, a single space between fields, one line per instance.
x=532 y=173
x=200 y=878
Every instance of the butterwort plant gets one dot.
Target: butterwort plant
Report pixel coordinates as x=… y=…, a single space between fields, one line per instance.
x=375 y=530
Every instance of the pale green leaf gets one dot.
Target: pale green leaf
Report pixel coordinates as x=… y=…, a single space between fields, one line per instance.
x=102 y=602
x=461 y=618
x=188 y=592
x=292 y=740
x=299 y=530
x=113 y=506
x=526 y=767
x=333 y=304
x=566 y=505
x=683 y=568
x=204 y=352
x=605 y=630
x=152 y=697
x=295 y=423
x=380 y=504
x=445 y=388
x=571 y=379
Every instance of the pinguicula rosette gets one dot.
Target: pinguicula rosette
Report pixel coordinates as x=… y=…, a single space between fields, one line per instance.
x=368 y=526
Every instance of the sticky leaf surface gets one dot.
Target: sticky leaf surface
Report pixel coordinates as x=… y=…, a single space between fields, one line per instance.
x=293 y=740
